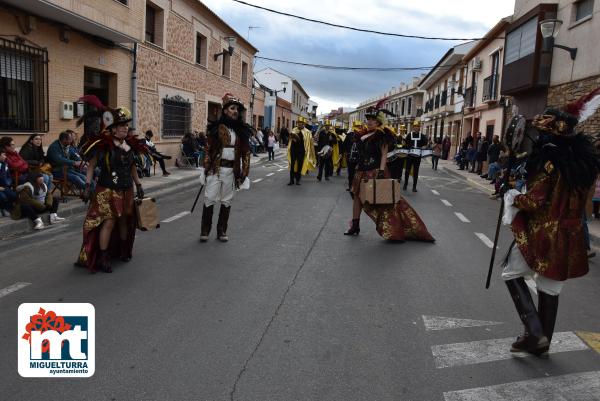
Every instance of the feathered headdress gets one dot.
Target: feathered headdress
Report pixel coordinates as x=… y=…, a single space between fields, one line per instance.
x=563 y=122
x=378 y=112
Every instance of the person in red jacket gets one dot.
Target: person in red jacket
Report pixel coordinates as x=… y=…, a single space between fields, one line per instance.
x=16 y=163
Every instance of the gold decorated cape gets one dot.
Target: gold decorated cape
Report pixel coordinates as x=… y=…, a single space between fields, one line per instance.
x=310 y=158
x=548 y=228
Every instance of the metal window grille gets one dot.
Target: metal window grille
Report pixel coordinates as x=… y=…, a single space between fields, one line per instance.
x=176 y=117
x=23 y=87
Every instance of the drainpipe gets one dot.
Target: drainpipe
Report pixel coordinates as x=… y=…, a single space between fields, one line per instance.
x=134 y=88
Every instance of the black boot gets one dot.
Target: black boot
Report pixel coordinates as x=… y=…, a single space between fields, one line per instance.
x=354 y=228
x=222 y=223
x=298 y=175
x=535 y=340
x=125 y=251
x=104 y=262
x=547 y=310
x=291 y=178
x=207 y=215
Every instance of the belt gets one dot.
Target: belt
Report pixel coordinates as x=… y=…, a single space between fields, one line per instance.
x=227 y=163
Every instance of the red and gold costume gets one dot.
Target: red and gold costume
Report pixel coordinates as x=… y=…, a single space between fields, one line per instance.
x=398 y=222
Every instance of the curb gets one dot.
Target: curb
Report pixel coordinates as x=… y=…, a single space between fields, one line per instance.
x=472 y=182
x=16 y=228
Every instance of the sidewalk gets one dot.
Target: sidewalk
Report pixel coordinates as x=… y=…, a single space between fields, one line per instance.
x=474 y=180
x=154 y=186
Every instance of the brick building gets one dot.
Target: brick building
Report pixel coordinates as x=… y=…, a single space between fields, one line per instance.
x=54 y=51
x=180 y=82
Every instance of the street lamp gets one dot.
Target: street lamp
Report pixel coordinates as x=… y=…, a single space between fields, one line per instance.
x=550 y=29
x=275 y=92
x=231 y=42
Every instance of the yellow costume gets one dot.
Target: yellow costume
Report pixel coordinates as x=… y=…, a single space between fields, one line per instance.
x=310 y=159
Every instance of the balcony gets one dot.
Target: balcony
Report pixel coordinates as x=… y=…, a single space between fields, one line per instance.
x=490 y=88
x=437 y=101
x=444 y=99
x=105 y=19
x=470 y=94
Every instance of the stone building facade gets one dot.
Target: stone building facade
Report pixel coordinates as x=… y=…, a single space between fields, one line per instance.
x=50 y=55
x=180 y=83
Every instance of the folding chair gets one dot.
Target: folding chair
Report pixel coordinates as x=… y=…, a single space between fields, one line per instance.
x=185 y=161
x=65 y=187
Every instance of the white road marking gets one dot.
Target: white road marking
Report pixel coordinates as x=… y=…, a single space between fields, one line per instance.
x=571 y=387
x=257 y=180
x=177 y=216
x=488 y=242
x=445 y=202
x=462 y=217
x=10 y=289
x=474 y=352
x=270 y=174
x=281 y=169
x=433 y=191
x=444 y=323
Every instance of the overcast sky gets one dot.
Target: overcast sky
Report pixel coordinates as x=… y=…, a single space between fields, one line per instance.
x=291 y=39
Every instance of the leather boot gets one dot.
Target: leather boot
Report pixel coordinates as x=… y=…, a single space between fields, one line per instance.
x=354 y=228
x=207 y=215
x=291 y=178
x=104 y=262
x=547 y=309
x=222 y=223
x=125 y=251
x=535 y=342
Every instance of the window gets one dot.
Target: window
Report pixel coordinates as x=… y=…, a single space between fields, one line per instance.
x=403 y=107
x=244 y=73
x=23 y=88
x=583 y=8
x=150 y=24
x=521 y=41
x=124 y=2
x=176 y=117
x=226 y=65
x=409 y=110
x=200 y=49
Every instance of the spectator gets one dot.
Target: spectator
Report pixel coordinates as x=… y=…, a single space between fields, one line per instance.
x=190 y=147
x=254 y=145
x=60 y=155
x=7 y=195
x=35 y=198
x=493 y=154
x=284 y=136
x=271 y=140
x=437 y=152
x=16 y=164
x=471 y=157
x=201 y=141
x=446 y=144
x=33 y=153
x=261 y=139
x=155 y=154
x=482 y=149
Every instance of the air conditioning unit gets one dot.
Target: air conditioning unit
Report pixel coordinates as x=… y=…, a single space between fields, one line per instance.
x=476 y=64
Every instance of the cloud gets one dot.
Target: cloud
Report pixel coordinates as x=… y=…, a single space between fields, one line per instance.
x=292 y=39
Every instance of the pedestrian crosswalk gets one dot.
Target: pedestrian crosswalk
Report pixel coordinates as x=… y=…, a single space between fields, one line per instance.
x=486 y=352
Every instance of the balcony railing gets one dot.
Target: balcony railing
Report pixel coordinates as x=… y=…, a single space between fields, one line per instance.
x=490 y=88
x=470 y=94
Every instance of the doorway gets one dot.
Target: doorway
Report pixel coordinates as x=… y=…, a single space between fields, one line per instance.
x=102 y=85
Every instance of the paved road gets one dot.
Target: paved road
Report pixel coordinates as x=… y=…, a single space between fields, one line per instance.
x=290 y=309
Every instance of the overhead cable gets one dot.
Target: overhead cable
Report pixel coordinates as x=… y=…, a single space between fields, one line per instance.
x=337 y=67
x=353 y=28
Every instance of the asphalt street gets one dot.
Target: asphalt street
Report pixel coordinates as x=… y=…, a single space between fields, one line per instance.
x=291 y=309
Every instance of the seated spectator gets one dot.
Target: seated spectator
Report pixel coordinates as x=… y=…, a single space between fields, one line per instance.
x=190 y=148
x=35 y=198
x=33 y=153
x=260 y=138
x=16 y=164
x=60 y=154
x=155 y=154
x=7 y=195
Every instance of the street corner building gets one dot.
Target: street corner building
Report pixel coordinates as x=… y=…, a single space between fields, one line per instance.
x=168 y=61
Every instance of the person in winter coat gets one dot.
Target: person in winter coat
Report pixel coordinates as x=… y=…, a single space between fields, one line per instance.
x=18 y=165
x=7 y=195
x=33 y=153
x=35 y=198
